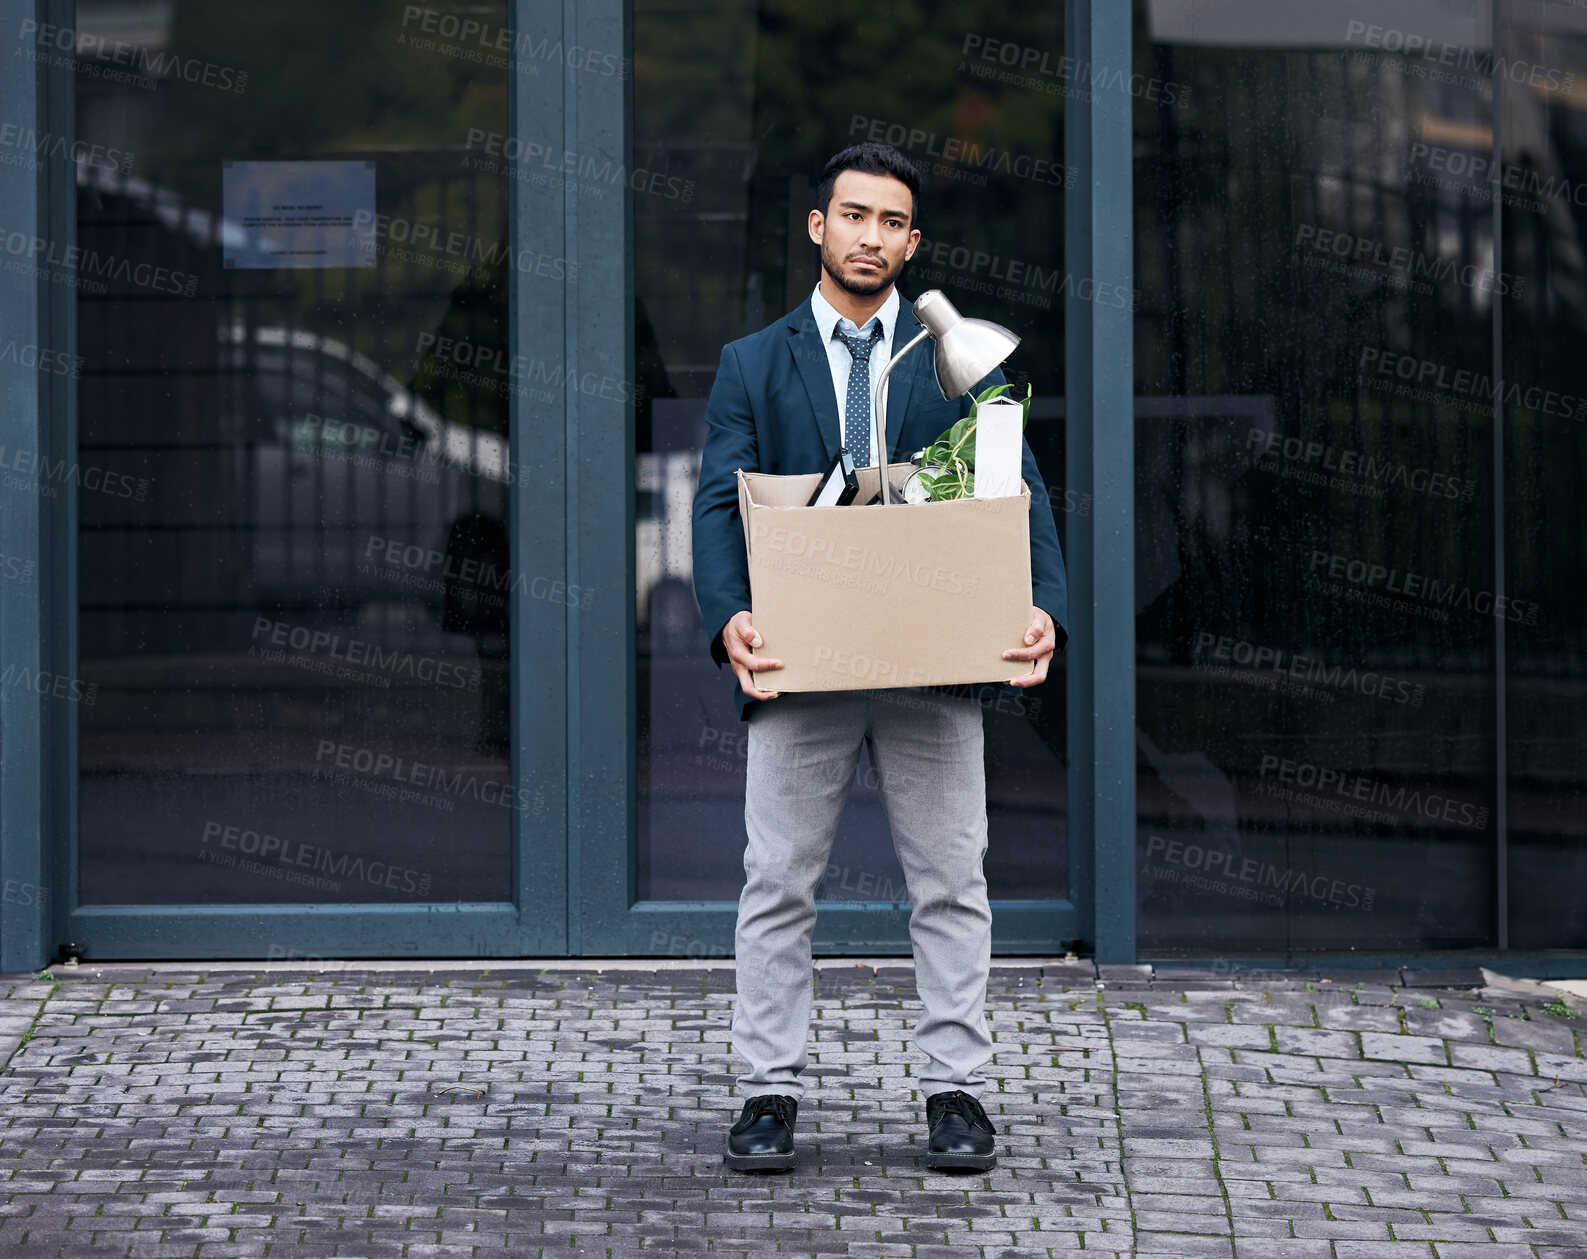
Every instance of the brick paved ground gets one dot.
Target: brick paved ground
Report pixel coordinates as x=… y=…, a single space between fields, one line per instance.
x=522 y=1112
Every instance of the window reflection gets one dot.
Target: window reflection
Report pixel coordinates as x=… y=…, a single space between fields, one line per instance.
x=297 y=631
x=743 y=103
x=1335 y=287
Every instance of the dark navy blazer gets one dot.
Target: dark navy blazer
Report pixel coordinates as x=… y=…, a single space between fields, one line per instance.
x=773 y=409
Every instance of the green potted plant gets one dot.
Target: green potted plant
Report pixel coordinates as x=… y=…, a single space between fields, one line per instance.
x=947 y=466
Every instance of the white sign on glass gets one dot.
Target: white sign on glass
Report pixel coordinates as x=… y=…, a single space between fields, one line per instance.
x=299 y=214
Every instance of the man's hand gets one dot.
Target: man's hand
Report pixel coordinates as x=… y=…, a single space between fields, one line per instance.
x=739 y=638
x=1040 y=642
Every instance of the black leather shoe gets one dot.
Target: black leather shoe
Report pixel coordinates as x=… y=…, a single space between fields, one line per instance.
x=961 y=1134
x=762 y=1139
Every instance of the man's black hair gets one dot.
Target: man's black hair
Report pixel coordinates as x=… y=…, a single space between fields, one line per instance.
x=871 y=159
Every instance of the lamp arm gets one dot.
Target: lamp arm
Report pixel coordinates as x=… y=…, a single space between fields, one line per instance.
x=879 y=416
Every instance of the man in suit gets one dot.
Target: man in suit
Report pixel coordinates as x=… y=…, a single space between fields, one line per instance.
x=785 y=399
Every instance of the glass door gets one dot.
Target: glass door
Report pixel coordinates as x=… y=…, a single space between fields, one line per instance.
x=308 y=724
x=734 y=111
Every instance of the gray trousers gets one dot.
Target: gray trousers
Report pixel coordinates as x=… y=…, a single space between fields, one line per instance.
x=926 y=749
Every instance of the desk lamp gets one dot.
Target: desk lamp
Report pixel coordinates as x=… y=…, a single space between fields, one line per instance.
x=967 y=349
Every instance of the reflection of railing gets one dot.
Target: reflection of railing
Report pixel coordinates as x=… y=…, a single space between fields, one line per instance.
x=1344 y=266
x=1348 y=269
x=1295 y=332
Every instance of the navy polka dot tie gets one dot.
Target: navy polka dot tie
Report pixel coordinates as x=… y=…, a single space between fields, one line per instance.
x=857 y=410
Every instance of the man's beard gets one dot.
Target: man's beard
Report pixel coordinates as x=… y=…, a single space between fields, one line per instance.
x=867 y=286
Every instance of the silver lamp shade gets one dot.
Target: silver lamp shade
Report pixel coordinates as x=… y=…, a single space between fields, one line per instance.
x=967 y=349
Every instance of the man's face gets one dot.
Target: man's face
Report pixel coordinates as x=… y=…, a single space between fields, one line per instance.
x=865 y=234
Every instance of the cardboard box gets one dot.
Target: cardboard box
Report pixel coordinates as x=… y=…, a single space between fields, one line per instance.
x=862 y=598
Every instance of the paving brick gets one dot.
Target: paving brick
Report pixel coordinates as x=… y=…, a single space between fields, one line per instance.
x=1539 y=1032
x=171 y=1114
x=1316 y=1042
x=1452 y=978
x=1285 y=1248
x=1491 y=1058
x=1402 y=1048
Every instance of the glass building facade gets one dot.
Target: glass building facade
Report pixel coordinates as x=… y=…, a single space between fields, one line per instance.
x=1359 y=459
x=359 y=357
